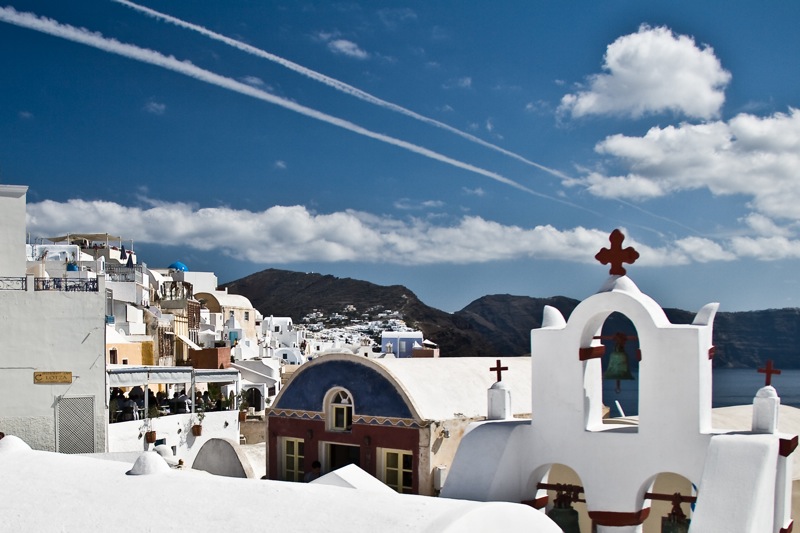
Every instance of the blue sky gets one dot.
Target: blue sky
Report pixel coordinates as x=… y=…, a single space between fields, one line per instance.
x=457 y=148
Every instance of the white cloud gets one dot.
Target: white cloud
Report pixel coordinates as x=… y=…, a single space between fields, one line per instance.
x=489 y=125
x=347 y=48
x=25 y=115
x=758 y=157
x=286 y=234
x=280 y=164
x=458 y=83
x=473 y=192
x=703 y=250
x=652 y=71
x=392 y=18
x=766 y=248
x=255 y=81
x=764 y=226
x=407 y=204
x=155 y=108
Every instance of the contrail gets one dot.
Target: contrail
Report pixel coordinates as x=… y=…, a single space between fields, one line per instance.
x=96 y=40
x=332 y=82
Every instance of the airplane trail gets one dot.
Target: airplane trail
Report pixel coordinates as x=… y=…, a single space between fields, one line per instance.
x=97 y=40
x=332 y=82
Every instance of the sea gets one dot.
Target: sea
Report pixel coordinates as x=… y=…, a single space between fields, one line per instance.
x=731 y=386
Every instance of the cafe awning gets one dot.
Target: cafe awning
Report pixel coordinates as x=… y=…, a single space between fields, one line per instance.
x=130 y=376
x=188 y=342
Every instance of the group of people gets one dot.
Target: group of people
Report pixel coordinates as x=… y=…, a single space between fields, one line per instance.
x=123 y=408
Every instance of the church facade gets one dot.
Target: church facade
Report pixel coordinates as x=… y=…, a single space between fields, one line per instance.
x=398 y=419
x=742 y=479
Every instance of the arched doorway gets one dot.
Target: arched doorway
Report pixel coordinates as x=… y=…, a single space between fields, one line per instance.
x=254 y=398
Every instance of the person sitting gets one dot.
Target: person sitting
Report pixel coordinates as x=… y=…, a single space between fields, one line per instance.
x=129 y=410
x=314 y=473
x=182 y=403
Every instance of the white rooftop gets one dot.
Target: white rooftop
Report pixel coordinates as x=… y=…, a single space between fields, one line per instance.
x=51 y=492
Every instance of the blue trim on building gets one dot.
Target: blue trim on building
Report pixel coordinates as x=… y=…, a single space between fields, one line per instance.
x=373 y=394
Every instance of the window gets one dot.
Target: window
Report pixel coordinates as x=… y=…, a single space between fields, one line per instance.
x=292 y=455
x=124 y=361
x=113 y=356
x=396 y=470
x=247 y=316
x=340 y=410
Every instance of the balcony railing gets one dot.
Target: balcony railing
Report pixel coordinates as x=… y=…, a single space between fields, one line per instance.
x=125 y=273
x=65 y=285
x=13 y=284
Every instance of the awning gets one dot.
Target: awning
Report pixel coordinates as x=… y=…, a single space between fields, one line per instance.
x=87 y=236
x=253 y=376
x=130 y=376
x=188 y=342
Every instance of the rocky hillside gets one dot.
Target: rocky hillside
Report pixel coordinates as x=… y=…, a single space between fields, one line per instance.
x=499 y=325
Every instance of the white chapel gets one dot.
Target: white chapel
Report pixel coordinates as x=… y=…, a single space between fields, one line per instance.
x=742 y=479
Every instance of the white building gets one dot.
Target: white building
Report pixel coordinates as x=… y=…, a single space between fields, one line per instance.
x=52 y=385
x=743 y=480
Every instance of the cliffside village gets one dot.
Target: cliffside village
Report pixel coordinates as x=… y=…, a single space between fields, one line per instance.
x=156 y=369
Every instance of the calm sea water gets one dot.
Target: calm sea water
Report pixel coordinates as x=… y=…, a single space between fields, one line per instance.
x=730 y=387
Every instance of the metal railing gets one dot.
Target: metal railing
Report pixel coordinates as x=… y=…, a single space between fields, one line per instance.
x=125 y=273
x=65 y=285
x=13 y=284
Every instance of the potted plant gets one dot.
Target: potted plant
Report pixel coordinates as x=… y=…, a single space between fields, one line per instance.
x=197 y=429
x=243 y=405
x=149 y=432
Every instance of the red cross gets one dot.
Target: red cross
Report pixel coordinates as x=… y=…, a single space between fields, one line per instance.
x=616 y=255
x=499 y=369
x=769 y=371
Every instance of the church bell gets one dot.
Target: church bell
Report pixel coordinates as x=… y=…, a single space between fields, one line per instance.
x=618 y=364
x=566 y=518
x=562 y=512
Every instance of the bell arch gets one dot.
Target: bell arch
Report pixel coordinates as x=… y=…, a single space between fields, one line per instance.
x=634 y=311
x=567 y=506
x=661 y=487
x=619 y=369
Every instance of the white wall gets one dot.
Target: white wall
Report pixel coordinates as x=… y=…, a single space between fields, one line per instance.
x=129 y=436
x=12 y=230
x=50 y=331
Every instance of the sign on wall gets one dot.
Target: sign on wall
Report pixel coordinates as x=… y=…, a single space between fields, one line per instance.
x=49 y=378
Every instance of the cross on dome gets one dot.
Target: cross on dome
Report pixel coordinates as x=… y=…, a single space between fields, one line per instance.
x=616 y=255
x=499 y=369
x=769 y=371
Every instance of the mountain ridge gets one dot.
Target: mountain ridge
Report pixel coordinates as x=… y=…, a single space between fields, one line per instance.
x=499 y=325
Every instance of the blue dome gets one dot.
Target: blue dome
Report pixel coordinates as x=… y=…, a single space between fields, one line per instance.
x=177 y=265
x=72 y=267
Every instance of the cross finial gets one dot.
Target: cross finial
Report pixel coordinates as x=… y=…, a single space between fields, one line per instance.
x=616 y=255
x=499 y=369
x=769 y=371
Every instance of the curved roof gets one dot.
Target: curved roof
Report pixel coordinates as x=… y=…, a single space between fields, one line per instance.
x=429 y=388
x=223 y=299
x=177 y=265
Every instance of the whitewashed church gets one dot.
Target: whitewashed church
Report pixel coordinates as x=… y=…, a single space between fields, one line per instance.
x=742 y=480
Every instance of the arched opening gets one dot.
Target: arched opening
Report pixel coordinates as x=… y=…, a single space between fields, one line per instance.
x=254 y=398
x=566 y=503
x=662 y=487
x=620 y=366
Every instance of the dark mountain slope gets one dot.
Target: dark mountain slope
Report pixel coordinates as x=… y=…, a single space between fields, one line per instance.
x=500 y=325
